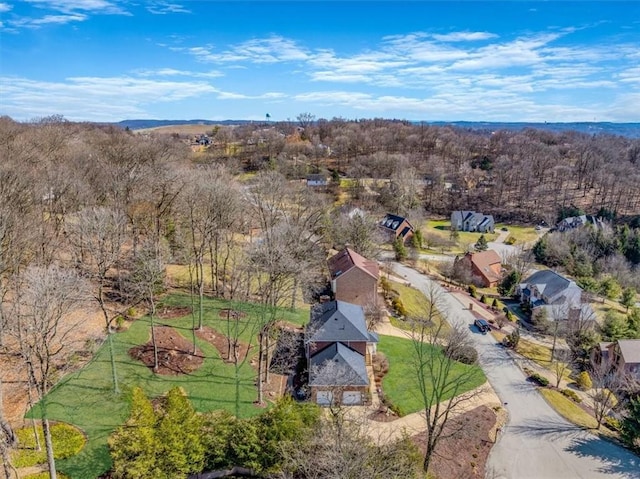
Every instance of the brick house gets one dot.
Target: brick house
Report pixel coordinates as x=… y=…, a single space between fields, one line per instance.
x=485 y=267
x=339 y=348
x=394 y=226
x=354 y=278
x=623 y=354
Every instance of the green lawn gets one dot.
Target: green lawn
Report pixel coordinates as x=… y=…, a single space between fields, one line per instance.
x=522 y=234
x=442 y=228
x=400 y=384
x=86 y=400
x=415 y=303
x=568 y=409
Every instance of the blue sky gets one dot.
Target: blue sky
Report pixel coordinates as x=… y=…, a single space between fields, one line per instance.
x=109 y=60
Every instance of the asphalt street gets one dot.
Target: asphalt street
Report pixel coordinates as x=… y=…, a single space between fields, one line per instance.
x=536 y=443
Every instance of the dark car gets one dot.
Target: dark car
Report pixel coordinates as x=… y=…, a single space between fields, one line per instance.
x=482 y=325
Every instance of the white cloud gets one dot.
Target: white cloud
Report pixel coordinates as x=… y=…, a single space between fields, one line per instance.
x=163 y=8
x=60 y=19
x=5 y=7
x=166 y=72
x=70 y=6
x=269 y=50
x=464 y=36
x=102 y=99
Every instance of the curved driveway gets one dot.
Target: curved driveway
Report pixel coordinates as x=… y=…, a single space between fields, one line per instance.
x=536 y=443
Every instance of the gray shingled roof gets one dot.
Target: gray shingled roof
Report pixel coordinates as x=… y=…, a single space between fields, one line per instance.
x=630 y=350
x=548 y=282
x=337 y=321
x=338 y=365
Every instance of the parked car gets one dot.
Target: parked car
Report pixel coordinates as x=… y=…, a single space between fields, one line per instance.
x=482 y=325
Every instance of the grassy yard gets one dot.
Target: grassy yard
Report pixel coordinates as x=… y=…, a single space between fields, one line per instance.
x=400 y=385
x=415 y=302
x=442 y=229
x=569 y=409
x=522 y=234
x=85 y=398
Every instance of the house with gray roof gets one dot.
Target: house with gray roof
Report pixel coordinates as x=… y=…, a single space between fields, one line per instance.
x=339 y=349
x=472 y=221
x=394 y=226
x=550 y=291
x=623 y=354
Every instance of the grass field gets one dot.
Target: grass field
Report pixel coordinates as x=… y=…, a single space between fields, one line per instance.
x=85 y=398
x=570 y=410
x=522 y=234
x=400 y=384
x=415 y=302
x=442 y=229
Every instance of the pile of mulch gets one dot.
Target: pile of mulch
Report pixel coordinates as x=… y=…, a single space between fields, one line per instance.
x=173 y=312
x=465 y=453
x=174 y=353
x=227 y=313
x=219 y=341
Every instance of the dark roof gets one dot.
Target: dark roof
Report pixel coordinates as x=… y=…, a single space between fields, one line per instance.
x=346 y=259
x=338 y=365
x=337 y=321
x=316 y=177
x=393 y=222
x=548 y=282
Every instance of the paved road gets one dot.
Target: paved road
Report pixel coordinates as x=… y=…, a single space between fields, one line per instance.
x=536 y=443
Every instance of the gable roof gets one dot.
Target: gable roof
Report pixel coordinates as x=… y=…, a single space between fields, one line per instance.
x=337 y=321
x=549 y=282
x=338 y=365
x=346 y=259
x=630 y=350
x=483 y=261
x=393 y=222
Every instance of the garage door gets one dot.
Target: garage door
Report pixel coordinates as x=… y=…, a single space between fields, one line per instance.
x=324 y=398
x=352 y=397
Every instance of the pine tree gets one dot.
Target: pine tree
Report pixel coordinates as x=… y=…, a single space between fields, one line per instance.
x=133 y=445
x=481 y=244
x=178 y=436
x=631 y=425
x=628 y=297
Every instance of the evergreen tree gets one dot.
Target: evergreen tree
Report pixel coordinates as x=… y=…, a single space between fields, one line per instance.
x=614 y=326
x=481 y=244
x=399 y=249
x=178 y=438
x=508 y=284
x=628 y=297
x=133 y=445
x=631 y=425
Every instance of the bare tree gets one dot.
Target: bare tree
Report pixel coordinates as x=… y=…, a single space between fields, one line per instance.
x=560 y=364
x=8 y=439
x=49 y=297
x=607 y=380
x=98 y=235
x=442 y=386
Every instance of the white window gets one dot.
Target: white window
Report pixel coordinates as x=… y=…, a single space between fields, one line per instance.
x=351 y=397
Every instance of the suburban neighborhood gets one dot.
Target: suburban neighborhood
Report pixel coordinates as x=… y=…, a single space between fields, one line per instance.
x=245 y=301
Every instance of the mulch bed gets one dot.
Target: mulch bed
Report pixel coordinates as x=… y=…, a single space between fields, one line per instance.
x=219 y=341
x=465 y=453
x=174 y=353
x=173 y=312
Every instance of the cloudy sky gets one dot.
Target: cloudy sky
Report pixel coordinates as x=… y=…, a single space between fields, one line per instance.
x=109 y=60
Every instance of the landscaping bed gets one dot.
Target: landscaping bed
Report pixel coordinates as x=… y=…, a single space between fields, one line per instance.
x=464 y=448
x=220 y=342
x=175 y=353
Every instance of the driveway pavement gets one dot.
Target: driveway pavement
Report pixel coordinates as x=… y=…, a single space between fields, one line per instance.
x=536 y=443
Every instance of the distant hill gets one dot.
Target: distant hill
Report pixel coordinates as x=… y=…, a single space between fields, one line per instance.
x=630 y=130
x=144 y=124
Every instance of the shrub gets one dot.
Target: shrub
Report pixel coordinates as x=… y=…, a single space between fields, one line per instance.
x=399 y=308
x=510 y=240
x=67 y=441
x=541 y=380
x=584 y=381
x=464 y=354
x=483 y=299
x=511 y=340
x=612 y=423
x=473 y=291
x=571 y=394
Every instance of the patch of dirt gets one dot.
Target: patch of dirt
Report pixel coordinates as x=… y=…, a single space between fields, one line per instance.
x=173 y=312
x=465 y=453
x=87 y=331
x=174 y=353
x=227 y=313
x=383 y=414
x=219 y=341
